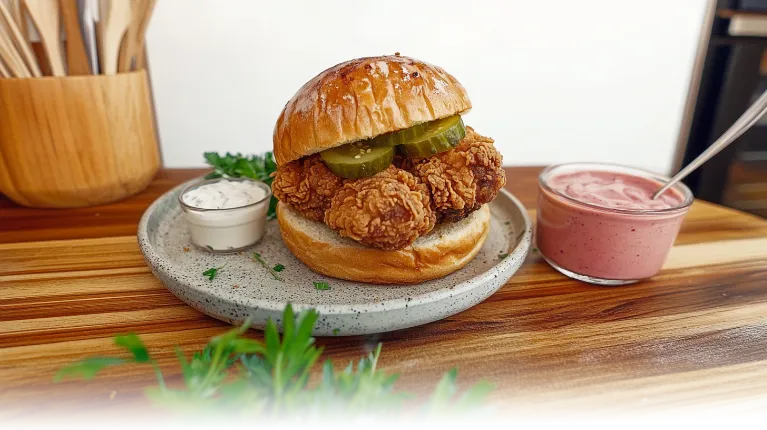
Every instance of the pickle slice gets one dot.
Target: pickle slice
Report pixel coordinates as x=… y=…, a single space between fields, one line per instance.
x=433 y=137
x=415 y=133
x=368 y=157
x=358 y=159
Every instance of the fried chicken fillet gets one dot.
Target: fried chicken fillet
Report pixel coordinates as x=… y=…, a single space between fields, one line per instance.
x=307 y=186
x=388 y=211
x=463 y=179
x=393 y=208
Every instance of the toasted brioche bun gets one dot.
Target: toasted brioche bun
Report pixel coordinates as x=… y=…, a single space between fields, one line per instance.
x=364 y=98
x=444 y=250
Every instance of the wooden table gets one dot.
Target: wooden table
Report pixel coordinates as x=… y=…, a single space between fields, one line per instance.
x=69 y=279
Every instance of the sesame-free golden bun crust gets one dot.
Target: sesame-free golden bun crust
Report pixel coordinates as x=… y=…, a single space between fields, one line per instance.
x=444 y=250
x=364 y=98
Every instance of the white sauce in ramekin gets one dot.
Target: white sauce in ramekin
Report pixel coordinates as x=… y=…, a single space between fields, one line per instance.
x=225 y=215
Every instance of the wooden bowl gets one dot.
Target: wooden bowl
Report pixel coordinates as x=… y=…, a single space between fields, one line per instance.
x=76 y=141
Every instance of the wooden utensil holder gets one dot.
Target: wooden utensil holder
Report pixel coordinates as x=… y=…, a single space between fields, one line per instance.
x=76 y=141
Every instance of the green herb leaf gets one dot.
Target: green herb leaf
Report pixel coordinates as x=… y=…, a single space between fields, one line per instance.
x=258 y=167
x=442 y=400
x=336 y=331
x=278 y=268
x=133 y=343
x=257 y=257
x=503 y=255
x=87 y=368
x=211 y=273
x=244 y=375
x=321 y=285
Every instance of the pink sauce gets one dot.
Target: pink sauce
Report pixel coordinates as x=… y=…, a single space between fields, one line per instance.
x=613 y=190
x=598 y=241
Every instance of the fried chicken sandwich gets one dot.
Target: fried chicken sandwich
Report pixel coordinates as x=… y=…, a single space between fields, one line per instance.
x=378 y=179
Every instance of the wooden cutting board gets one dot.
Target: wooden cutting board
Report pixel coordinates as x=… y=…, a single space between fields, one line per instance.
x=696 y=333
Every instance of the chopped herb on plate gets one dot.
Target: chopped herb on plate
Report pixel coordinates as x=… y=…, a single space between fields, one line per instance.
x=321 y=285
x=212 y=272
x=257 y=257
x=278 y=268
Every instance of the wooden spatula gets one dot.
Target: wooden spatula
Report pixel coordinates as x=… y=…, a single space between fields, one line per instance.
x=145 y=17
x=4 y=72
x=77 y=60
x=11 y=57
x=115 y=20
x=133 y=43
x=19 y=40
x=15 y=9
x=45 y=16
x=127 y=47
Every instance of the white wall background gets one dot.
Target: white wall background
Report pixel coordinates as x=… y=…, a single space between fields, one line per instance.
x=551 y=80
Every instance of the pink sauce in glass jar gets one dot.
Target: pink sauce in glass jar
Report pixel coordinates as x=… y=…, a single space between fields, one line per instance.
x=598 y=222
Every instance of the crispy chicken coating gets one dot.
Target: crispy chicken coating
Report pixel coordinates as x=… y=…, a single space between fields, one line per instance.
x=307 y=186
x=463 y=179
x=388 y=211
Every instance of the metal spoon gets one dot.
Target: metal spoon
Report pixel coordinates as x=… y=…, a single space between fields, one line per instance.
x=745 y=122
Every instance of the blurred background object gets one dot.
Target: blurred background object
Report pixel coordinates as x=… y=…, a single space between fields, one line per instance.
x=733 y=76
x=649 y=84
x=70 y=137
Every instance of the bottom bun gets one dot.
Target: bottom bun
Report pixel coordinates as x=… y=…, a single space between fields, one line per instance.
x=444 y=250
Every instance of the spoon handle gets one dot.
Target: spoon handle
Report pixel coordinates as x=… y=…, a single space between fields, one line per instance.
x=745 y=122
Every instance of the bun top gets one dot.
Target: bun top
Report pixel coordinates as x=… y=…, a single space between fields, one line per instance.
x=364 y=98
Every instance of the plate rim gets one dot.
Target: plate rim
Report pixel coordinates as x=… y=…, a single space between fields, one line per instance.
x=519 y=253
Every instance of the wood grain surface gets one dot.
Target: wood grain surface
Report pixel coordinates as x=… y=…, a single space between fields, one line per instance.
x=695 y=334
x=64 y=141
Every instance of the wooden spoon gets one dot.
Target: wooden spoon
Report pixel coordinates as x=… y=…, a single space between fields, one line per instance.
x=77 y=60
x=45 y=16
x=115 y=21
x=19 y=40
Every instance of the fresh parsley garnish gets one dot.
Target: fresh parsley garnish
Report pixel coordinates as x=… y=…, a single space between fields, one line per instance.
x=134 y=345
x=278 y=268
x=321 y=285
x=257 y=257
x=336 y=331
x=503 y=255
x=270 y=378
x=212 y=272
x=258 y=167
x=87 y=368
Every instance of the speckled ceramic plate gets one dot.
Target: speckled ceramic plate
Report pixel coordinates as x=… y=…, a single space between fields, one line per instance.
x=244 y=288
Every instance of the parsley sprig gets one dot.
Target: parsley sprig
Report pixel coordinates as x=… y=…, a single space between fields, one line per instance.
x=258 y=167
x=271 y=378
